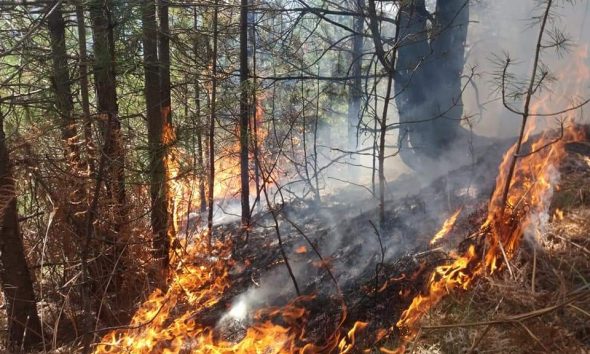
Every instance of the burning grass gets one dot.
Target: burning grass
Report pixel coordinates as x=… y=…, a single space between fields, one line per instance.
x=543 y=304
x=187 y=317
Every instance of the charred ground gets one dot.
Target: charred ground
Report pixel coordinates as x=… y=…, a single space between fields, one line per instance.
x=380 y=270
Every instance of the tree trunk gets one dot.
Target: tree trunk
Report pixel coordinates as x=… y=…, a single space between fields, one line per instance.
x=84 y=95
x=77 y=201
x=244 y=114
x=61 y=77
x=168 y=135
x=24 y=327
x=198 y=123
x=200 y=159
x=65 y=109
x=428 y=80
x=106 y=94
x=389 y=64
x=381 y=156
x=164 y=52
x=355 y=91
x=254 y=109
x=155 y=119
x=213 y=118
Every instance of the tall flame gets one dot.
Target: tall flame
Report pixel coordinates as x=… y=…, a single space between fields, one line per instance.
x=503 y=230
x=530 y=190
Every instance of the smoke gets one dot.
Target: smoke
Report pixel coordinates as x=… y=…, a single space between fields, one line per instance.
x=497 y=28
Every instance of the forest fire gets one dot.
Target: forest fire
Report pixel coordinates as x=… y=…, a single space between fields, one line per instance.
x=509 y=216
x=227 y=166
x=200 y=277
x=201 y=274
x=156 y=327
x=276 y=177
x=503 y=230
x=182 y=186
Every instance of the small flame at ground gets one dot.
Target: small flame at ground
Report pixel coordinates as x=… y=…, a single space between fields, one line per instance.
x=447 y=227
x=301 y=250
x=558 y=215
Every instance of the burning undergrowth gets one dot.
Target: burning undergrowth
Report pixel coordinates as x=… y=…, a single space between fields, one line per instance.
x=542 y=303
x=225 y=298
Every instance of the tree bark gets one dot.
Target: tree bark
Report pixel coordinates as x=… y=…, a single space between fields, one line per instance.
x=254 y=110
x=65 y=109
x=77 y=201
x=164 y=62
x=198 y=121
x=355 y=91
x=156 y=121
x=106 y=94
x=84 y=95
x=24 y=326
x=244 y=115
x=61 y=76
x=199 y=129
x=428 y=80
x=389 y=65
x=212 y=119
x=200 y=152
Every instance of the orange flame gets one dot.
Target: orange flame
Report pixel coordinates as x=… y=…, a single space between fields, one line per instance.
x=347 y=344
x=301 y=250
x=227 y=166
x=446 y=228
x=503 y=231
x=198 y=282
x=167 y=322
x=558 y=215
x=182 y=186
x=530 y=190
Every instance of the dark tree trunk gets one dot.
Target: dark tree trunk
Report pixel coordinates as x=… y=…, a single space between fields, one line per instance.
x=61 y=76
x=389 y=64
x=212 y=119
x=200 y=150
x=254 y=109
x=244 y=114
x=428 y=80
x=355 y=90
x=198 y=122
x=77 y=201
x=156 y=122
x=65 y=109
x=83 y=65
x=24 y=327
x=106 y=94
x=164 y=61
x=381 y=155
